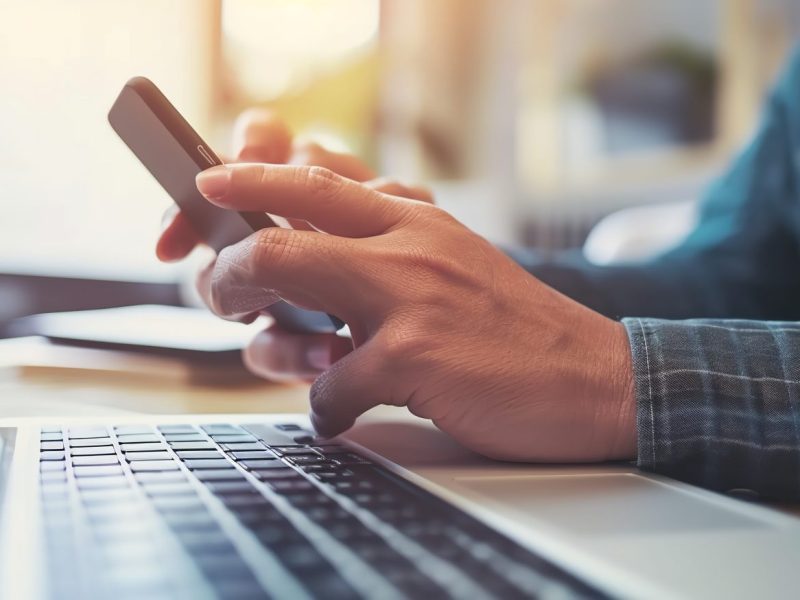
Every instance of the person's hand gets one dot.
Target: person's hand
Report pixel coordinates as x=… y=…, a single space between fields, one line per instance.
x=442 y=322
x=261 y=136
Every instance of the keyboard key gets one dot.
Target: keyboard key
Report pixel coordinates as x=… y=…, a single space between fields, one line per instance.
x=351 y=459
x=240 y=447
x=413 y=583
x=132 y=429
x=288 y=427
x=153 y=465
x=252 y=454
x=199 y=454
x=92 y=451
x=271 y=474
x=230 y=487
x=185 y=437
x=221 y=463
x=239 y=589
x=327 y=513
x=327 y=468
x=279 y=533
x=124 y=529
x=293 y=450
x=177 y=428
x=142 y=447
x=52 y=465
x=105 y=459
x=290 y=486
x=226 y=567
x=192 y=446
x=50 y=429
x=260 y=465
x=332 y=449
x=308 y=459
x=51 y=437
x=144 y=477
x=234 y=501
x=107 y=496
x=161 y=455
x=218 y=475
x=167 y=488
x=82 y=433
x=51 y=455
x=260 y=516
x=178 y=503
x=130 y=509
x=304 y=439
x=196 y=519
x=138 y=438
x=327 y=583
x=233 y=439
x=96 y=483
x=335 y=478
x=299 y=556
x=102 y=471
x=45 y=446
x=207 y=542
x=91 y=442
x=306 y=500
x=223 y=428
x=54 y=476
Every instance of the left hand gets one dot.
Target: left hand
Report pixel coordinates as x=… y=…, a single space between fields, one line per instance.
x=442 y=322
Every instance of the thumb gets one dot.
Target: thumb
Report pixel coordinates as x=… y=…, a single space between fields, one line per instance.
x=349 y=388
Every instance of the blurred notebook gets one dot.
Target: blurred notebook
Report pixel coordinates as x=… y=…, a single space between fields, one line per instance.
x=192 y=337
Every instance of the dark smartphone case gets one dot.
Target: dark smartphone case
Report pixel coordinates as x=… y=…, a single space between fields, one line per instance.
x=174 y=154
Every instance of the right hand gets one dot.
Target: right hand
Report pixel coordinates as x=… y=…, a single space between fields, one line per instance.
x=260 y=136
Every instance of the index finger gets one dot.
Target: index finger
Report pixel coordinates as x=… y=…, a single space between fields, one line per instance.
x=330 y=202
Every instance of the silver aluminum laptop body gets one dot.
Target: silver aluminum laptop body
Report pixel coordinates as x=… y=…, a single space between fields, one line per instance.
x=627 y=534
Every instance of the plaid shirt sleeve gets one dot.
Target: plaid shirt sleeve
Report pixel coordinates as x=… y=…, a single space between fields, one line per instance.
x=718 y=395
x=718 y=402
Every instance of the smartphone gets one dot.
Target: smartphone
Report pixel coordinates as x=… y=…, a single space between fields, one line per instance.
x=174 y=154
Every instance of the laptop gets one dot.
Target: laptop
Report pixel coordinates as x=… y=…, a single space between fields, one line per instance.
x=254 y=506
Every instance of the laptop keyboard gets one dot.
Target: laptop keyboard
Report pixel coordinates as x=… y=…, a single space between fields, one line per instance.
x=261 y=511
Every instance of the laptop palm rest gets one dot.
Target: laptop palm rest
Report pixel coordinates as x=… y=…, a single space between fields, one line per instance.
x=580 y=500
x=606 y=504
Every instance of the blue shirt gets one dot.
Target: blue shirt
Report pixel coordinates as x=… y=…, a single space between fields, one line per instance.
x=714 y=324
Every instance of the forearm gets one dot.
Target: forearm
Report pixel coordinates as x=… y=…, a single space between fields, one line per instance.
x=718 y=402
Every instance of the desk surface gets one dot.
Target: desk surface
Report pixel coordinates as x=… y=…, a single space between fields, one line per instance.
x=40 y=380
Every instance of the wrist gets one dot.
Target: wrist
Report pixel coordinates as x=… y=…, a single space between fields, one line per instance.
x=622 y=401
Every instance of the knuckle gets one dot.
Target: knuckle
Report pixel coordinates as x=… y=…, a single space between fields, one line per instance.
x=393 y=188
x=439 y=216
x=322 y=181
x=274 y=247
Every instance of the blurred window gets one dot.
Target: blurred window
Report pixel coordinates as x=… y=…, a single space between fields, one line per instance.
x=73 y=198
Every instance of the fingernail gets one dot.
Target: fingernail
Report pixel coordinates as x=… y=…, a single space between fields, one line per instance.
x=213 y=183
x=319 y=356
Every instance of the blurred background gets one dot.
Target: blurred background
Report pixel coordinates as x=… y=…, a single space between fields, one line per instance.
x=535 y=121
